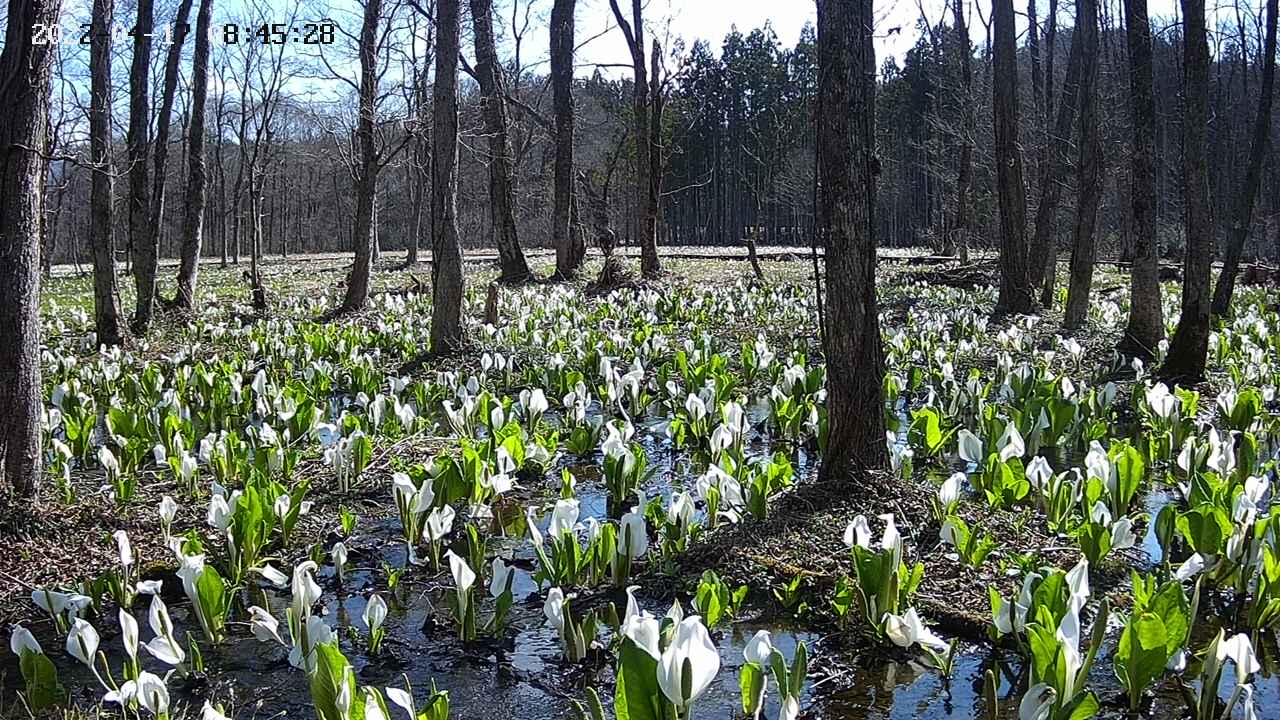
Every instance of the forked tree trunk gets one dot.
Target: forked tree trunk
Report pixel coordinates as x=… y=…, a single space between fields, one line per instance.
x=25 y=69
x=570 y=250
x=446 y=251
x=846 y=141
x=148 y=255
x=1053 y=173
x=1188 y=349
x=197 y=181
x=1248 y=194
x=106 y=299
x=1015 y=286
x=139 y=205
x=366 y=171
x=645 y=197
x=1089 y=172
x=1146 y=311
x=493 y=106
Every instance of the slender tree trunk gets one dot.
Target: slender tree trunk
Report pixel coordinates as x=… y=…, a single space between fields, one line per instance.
x=649 y=263
x=1248 y=195
x=570 y=251
x=1015 y=283
x=846 y=140
x=141 y=238
x=147 y=246
x=197 y=182
x=1089 y=184
x=645 y=200
x=105 y=294
x=493 y=106
x=1146 y=311
x=1189 y=347
x=959 y=236
x=366 y=172
x=446 y=250
x=1052 y=176
x=421 y=163
x=25 y=70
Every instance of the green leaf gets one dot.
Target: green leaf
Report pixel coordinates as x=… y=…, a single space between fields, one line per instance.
x=751 y=681
x=1141 y=654
x=41 y=677
x=333 y=671
x=799 y=670
x=637 y=684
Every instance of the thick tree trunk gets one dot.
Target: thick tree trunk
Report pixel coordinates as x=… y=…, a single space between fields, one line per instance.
x=1146 y=311
x=570 y=251
x=141 y=238
x=1089 y=172
x=197 y=181
x=1248 y=194
x=846 y=141
x=105 y=296
x=366 y=172
x=1190 y=344
x=1053 y=173
x=1015 y=282
x=446 y=251
x=25 y=69
x=502 y=197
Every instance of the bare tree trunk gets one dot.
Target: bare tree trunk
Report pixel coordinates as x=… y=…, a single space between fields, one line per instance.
x=570 y=251
x=140 y=236
x=959 y=236
x=25 y=70
x=259 y=294
x=197 y=182
x=846 y=141
x=366 y=180
x=1146 y=311
x=147 y=249
x=1015 y=286
x=446 y=251
x=502 y=200
x=420 y=164
x=105 y=295
x=1190 y=344
x=1089 y=185
x=1248 y=194
x=646 y=200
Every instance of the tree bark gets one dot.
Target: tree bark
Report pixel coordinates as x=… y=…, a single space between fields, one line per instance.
x=366 y=172
x=105 y=294
x=1053 y=174
x=1146 y=311
x=846 y=141
x=1189 y=346
x=197 y=180
x=493 y=106
x=446 y=251
x=570 y=250
x=1248 y=194
x=646 y=197
x=141 y=239
x=146 y=255
x=1089 y=185
x=25 y=69
x=959 y=237
x=1015 y=282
